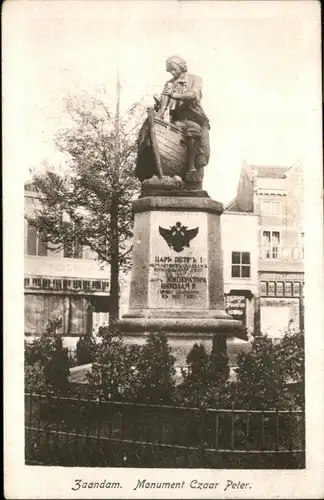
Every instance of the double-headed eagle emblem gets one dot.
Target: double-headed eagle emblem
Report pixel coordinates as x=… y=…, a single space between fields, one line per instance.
x=178 y=236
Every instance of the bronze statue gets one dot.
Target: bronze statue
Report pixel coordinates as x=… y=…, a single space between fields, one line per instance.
x=174 y=141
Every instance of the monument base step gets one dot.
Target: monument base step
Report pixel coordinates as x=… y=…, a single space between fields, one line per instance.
x=178 y=313
x=183 y=327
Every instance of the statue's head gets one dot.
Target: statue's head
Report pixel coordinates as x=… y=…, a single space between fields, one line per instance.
x=176 y=65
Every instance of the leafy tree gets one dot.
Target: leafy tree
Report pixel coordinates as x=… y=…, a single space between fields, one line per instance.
x=90 y=203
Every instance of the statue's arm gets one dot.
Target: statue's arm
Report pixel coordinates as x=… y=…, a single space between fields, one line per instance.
x=164 y=104
x=165 y=98
x=186 y=96
x=194 y=92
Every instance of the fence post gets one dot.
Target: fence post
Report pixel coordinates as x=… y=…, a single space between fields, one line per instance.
x=217 y=430
x=98 y=416
x=247 y=440
x=233 y=427
x=277 y=430
x=202 y=434
x=290 y=434
x=262 y=430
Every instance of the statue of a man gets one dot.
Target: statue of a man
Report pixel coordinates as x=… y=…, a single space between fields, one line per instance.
x=182 y=96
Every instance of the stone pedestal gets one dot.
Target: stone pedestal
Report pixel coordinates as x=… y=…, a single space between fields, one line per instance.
x=177 y=273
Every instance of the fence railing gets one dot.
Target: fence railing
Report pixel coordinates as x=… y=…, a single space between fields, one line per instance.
x=70 y=431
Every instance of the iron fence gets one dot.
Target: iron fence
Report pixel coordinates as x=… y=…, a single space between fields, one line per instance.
x=71 y=431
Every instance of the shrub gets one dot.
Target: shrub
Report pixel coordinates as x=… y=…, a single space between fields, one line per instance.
x=46 y=361
x=113 y=375
x=52 y=325
x=132 y=372
x=205 y=381
x=195 y=377
x=263 y=374
x=290 y=351
x=42 y=348
x=218 y=361
x=39 y=350
x=35 y=378
x=86 y=349
x=155 y=371
x=56 y=369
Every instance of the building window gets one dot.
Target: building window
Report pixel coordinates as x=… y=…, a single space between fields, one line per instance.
x=37 y=282
x=77 y=284
x=263 y=288
x=279 y=289
x=96 y=285
x=26 y=281
x=36 y=242
x=288 y=289
x=46 y=283
x=297 y=253
x=66 y=284
x=104 y=285
x=72 y=250
x=296 y=289
x=271 y=288
x=270 y=244
x=270 y=207
x=86 y=285
x=57 y=284
x=241 y=266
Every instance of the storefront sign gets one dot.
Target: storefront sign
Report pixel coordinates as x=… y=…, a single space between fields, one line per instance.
x=235 y=305
x=281 y=276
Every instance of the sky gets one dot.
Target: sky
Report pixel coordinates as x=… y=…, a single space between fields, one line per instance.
x=260 y=64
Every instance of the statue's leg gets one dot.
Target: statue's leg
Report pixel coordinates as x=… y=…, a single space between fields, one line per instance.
x=192 y=146
x=203 y=148
x=193 y=132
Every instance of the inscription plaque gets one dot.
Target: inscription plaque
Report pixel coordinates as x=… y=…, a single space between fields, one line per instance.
x=177 y=280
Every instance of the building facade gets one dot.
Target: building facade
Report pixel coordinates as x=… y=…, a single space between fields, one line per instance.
x=263 y=252
x=274 y=196
x=240 y=261
x=67 y=284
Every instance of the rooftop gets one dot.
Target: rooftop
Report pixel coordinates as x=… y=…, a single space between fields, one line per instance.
x=268 y=171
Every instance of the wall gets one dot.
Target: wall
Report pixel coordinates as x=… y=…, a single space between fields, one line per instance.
x=288 y=192
x=240 y=233
x=277 y=315
x=75 y=311
x=244 y=194
x=295 y=197
x=79 y=309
